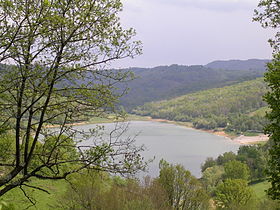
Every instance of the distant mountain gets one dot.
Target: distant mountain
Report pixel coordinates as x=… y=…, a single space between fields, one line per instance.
x=166 y=82
x=251 y=64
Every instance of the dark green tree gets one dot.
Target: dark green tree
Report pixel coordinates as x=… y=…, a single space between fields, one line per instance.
x=269 y=16
x=272 y=77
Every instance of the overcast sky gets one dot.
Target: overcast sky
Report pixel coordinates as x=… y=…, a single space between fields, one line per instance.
x=194 y=31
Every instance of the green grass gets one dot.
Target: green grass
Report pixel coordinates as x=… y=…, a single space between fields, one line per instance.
x=260 y=188
x=132 y=117
x=43 y=200
x=261 y=143
x=111 y=118
x=250 y=133
x=232 y=134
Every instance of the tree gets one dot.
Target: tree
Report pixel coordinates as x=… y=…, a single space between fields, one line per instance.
x=209 y=162
x=57 y=52
x=236 y=170
x=95 y=190
x=183 y=190
x=211 y=177
x=272 y=77
x=226 y=157
x=255 y=158
x=268 y=15
x=233 y=194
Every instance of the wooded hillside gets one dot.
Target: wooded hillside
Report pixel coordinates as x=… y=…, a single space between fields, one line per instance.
x=233 y=107
x=166 y=82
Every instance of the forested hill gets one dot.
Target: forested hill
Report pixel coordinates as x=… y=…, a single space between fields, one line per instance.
x=233 y=107
x=166 y=82
x=251 y=64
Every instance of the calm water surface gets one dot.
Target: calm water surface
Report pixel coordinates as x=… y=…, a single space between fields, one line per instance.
x=175 y=144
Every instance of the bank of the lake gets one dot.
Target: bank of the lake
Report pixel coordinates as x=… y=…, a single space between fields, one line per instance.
x=240 y=139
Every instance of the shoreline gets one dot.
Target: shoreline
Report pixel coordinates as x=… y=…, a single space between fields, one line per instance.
x=241 y=139
x=245 y=140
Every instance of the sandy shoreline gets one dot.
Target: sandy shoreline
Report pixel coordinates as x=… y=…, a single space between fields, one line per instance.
x=240 y=139
x=251 y=139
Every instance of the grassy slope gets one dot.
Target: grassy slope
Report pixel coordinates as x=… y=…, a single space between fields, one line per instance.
x=44 y=201
x=260 y=188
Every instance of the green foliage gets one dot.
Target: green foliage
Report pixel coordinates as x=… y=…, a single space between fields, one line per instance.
x=7 y=147
x=246 y=123
x=59 y=51
x=236 y=170
x=248 y=166
x=252 y=157
x=86 y=191
x=255 y=158
x=233 y=194
x=260 y=112
x=225 y=157
x=268 y=15
x=62 y=149
x=96 y=190
x=183 y=190
x=211 y=177
x=209 y=162
x=272 y=78
x=227 y=107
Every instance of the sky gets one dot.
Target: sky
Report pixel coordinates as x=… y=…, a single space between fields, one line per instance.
x=190 y=32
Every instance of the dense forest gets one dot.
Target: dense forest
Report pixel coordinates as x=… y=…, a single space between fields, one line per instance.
x=237 y=108
x=166 y=82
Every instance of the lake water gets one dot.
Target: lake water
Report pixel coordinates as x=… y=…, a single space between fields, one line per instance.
x=175 y=144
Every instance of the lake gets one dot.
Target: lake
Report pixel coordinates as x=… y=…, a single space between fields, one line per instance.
x=174 y=143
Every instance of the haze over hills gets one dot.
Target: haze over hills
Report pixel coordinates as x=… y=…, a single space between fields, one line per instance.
x=166 y=82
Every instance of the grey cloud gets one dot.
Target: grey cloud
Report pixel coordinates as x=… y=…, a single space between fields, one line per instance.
x=194 y=31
